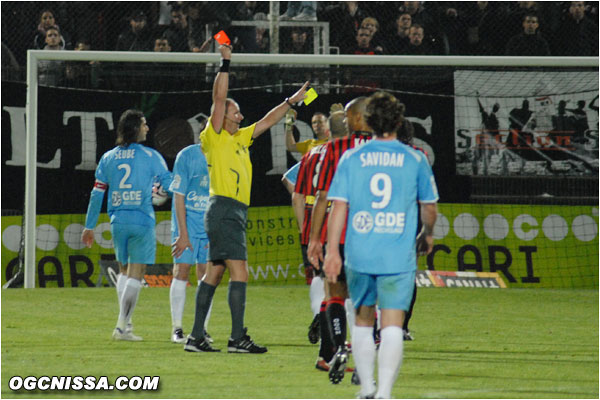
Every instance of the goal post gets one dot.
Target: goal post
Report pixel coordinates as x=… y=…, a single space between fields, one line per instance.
x=32 y=106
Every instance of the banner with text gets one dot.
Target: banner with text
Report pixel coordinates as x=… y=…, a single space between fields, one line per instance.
x=528 y=246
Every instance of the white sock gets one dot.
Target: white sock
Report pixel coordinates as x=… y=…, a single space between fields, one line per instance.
x=177 y=297
x=128 y=301
x=316 y=293
x=121 y=279
x=378 y=311
x=199 y=281
x=350 y=316
x=391 y=352
x=364 y=352
x=208 y=315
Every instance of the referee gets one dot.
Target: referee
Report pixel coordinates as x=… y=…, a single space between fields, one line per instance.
x=225 y=146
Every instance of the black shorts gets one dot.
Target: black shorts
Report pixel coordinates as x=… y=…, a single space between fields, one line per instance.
x=225 y=224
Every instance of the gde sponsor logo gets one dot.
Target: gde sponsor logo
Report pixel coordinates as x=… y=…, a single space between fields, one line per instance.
x=126 y=197
x=384 y=222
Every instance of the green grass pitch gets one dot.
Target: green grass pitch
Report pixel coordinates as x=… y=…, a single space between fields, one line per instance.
x=469 y=343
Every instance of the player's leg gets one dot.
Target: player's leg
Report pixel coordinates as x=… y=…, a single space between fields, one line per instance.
x=405 y=331
x=181 y=272
x=326 y=347
x=363 y=293
x=316 y=295
x=394 y=294
x=123 y=237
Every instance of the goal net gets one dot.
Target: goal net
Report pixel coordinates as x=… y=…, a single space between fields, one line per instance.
x=513 y=144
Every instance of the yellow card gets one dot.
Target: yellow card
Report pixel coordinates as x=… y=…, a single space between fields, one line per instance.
x=311 y=94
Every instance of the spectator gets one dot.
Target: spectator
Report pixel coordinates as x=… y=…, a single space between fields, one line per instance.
x=161 y=44
x=578 y=33
x=417 y=46
x=363 y=43
x=178 y=31
x=492 y=29
x=244 y=37
x=530 y=42
x=83 y=73
x=372 y=25
x=47 y=21
x=197 y=40
x=345 y=18
x=137 y=37
x=399 y=39
x=50 y=72
x=262 y=37
x=419 y=14
x=298 y=42
x=300 y=11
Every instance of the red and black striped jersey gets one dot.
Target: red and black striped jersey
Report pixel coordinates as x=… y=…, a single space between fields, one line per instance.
x=334 y=152
x=307 y=177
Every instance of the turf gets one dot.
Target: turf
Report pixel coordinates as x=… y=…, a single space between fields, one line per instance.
x=469 y=343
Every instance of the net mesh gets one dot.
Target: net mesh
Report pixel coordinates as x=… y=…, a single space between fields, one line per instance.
x=537 y=226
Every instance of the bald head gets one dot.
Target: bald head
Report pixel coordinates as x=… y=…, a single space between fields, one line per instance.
x=355 y=115
x=337 y=127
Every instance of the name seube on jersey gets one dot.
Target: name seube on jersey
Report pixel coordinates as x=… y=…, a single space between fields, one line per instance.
x=190 y=179
x=333 y=153
x=129 y=173
x=307 y=179
x=382 y=182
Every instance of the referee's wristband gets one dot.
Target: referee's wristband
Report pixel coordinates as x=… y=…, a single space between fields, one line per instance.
x=287 y=100
x=224 y=67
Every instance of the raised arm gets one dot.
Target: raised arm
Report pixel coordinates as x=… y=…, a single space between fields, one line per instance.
x=220 y=88
x=278 y=112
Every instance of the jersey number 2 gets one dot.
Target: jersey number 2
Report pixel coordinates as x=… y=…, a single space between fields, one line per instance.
x=123 y=184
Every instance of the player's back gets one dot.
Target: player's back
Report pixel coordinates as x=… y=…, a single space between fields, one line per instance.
x=190 y=179
x=130 y=172
x=382 y=181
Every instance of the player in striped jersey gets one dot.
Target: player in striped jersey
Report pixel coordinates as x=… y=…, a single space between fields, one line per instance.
x=128 y=172
x=305 y=187
x=339 y=308
x=375 y=189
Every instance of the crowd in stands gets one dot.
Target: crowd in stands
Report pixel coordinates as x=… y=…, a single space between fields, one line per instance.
x=524 y=28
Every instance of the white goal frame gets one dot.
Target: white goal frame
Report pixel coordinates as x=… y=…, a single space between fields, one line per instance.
x=31 y=108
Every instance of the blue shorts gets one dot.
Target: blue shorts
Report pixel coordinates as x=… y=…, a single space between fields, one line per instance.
x=198 y=254
x=391 y=291
x=134 y=243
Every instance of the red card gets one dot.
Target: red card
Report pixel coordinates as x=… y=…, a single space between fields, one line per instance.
x=222 y=38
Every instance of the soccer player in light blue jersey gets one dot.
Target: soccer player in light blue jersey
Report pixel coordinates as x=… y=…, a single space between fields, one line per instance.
x=379 y=185
x=128 y=172
x=190 y=188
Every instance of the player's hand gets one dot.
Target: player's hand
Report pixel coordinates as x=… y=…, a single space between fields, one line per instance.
x=300 y=94
x=424 y=244
x=335 y=107
x=332 y=266
x=87 y=237
x=179 y=246
x=225 y=51
x=315 y=253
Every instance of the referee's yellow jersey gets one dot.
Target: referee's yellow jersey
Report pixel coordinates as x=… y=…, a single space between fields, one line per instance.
x=229 y=166
x=305 y=146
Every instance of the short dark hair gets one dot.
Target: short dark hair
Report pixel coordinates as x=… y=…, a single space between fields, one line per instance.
x=128 y=128
x=532 y=14
x=385 y=113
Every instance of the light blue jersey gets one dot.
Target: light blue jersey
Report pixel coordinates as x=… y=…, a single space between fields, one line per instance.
x=292 y=174
x=382 y=181
x=190 y=179
x=128 y=173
